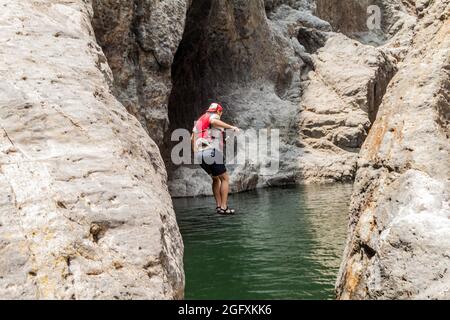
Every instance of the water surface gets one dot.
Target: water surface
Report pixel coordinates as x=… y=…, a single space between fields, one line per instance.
x=284 y=243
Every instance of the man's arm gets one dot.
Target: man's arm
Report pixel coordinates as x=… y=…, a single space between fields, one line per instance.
x=222 y=125
x=194 y=144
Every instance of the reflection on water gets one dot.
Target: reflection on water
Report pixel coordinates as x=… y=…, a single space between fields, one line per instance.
x=284 y=243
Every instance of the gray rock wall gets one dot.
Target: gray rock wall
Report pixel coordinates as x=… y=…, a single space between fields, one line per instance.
x=279 y=68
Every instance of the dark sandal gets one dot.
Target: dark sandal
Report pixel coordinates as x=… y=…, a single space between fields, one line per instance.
x=227 y=211
x=218 y=209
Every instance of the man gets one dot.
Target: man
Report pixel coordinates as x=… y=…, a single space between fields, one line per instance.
x=207 y=139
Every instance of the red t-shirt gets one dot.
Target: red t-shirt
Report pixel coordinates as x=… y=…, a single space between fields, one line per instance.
x=208 y=137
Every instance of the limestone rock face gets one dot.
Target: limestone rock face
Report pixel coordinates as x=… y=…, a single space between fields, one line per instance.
x=139 y=39
x=84 y=210
x=85 y=85
x=399 y=244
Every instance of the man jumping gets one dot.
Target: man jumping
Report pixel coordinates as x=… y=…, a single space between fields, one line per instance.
x=207 y=140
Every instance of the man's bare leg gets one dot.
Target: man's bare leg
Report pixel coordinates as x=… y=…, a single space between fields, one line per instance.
x=224 y=188
x=216 y=190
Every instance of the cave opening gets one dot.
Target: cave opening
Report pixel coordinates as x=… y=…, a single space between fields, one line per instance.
x=191 y=88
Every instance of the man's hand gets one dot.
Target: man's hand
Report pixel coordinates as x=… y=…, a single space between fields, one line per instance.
x=236 y=129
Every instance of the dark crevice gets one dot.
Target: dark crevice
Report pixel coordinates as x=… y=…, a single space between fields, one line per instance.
x=443 y=102
x=311 y=39
x=191 y=87
x=368 y=251
x=98 y=229
x=377 y=89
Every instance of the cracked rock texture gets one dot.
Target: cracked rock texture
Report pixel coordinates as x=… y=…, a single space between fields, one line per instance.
x=139 y=39
x=399 y=242
x=84 y=210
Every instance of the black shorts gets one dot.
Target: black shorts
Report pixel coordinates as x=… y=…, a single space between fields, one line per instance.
x=212 y=161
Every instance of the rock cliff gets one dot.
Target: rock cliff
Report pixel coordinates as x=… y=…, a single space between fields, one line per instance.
x=85 y=212
x=399 y=244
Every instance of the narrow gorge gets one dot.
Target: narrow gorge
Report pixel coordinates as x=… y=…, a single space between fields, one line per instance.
x=91 y=91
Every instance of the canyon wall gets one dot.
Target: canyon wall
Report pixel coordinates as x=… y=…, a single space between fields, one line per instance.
x=399 y=244
x=85 y=212
x=275 y=65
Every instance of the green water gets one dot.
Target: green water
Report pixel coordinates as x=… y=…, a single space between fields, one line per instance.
x=284 y=243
